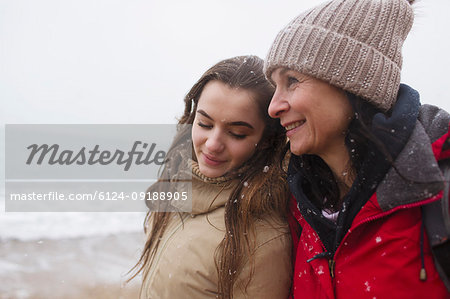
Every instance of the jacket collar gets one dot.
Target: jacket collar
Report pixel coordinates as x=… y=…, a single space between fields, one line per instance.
x=208 y=193
x=415 y=175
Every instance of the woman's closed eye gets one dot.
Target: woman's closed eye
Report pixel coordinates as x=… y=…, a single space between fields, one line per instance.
x=237 y=136
x=233 y=134
x=200 y=124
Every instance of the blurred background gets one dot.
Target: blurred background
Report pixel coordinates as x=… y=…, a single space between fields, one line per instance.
x=132 y=62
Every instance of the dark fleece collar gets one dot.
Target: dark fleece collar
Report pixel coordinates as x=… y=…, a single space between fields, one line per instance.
x=395 y=132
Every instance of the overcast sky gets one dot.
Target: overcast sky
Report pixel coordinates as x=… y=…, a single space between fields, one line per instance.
x=111 y=61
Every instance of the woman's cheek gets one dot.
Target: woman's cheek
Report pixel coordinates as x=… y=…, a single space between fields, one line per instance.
x=249 y=150
x=197 y=137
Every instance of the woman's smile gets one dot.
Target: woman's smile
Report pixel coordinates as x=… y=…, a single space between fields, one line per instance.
x=292 y=128
x=212 y=160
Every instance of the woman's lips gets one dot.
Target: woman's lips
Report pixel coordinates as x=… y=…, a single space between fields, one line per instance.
x=211 y=160
x=293 y=127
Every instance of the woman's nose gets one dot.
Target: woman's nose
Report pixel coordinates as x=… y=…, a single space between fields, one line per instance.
x=278 y=105
x=214 y=142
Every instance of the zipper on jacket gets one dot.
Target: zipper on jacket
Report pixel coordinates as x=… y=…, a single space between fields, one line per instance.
x=325 y=254
x=331 y=263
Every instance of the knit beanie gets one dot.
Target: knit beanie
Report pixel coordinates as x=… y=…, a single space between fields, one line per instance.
x=352 y=44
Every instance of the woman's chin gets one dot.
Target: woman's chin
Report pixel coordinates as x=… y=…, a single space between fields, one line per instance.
x=211 y=173
x=297 y=150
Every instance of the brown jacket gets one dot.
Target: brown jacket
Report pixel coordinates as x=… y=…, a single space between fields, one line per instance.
x=184 y=264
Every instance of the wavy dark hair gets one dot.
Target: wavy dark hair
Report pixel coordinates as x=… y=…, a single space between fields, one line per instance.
x=246 y=73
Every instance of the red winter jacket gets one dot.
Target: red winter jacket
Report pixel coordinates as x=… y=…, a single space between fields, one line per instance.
x=380 y=255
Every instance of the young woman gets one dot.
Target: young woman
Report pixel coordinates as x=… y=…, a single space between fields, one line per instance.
x=365 y=153
x=235 y=243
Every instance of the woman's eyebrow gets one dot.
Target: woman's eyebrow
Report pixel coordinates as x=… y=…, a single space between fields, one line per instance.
x=282 y=72
x=202 y=112
x=233 y=123
x=241 y=123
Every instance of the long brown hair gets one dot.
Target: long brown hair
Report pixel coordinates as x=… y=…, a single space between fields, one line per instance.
x=261 y=190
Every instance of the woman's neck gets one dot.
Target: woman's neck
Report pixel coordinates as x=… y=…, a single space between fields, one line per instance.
x=339 y=163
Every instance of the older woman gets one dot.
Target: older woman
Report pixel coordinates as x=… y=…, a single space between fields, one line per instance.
x=364 y=152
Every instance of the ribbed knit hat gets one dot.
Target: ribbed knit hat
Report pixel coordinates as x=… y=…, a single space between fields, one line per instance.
x=352 y=44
